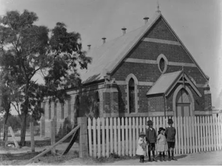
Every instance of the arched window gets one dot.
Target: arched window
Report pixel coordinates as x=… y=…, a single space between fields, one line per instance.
x=131 y=92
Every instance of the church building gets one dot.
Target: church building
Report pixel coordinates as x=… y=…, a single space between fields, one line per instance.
x=145 y=72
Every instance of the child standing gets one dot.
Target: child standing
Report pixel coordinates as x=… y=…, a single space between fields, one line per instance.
x=161 y=143
x=151 y=139
x=141 y=146
x=170 y=136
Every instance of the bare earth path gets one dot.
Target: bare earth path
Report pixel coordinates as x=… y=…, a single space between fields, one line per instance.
x=204 y=158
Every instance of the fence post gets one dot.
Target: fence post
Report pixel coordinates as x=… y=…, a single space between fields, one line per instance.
x=53 y=134
x=83 y=139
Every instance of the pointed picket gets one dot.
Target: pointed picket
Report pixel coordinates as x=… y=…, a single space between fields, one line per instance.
x=107 y=138
x=103 y=138
x=99 y=137
x=123 y=136
x=127 y=136
x=90 y=136
x=115 y=144
x=130 y=138
x=119 y=136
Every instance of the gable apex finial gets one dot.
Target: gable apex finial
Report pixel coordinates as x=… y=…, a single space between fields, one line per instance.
x=158 y=7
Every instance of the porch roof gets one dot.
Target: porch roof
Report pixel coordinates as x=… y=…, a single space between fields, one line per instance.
x=164 y=82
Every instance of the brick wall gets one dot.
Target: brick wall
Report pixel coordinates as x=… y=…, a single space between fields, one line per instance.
x=143 y=102
x=143 y=72
x=156 y=103
x=149 y=50
x=161 y=31
x=122 y=98
x=207 y=104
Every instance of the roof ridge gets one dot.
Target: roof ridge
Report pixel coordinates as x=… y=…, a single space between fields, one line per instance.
x=108 y=41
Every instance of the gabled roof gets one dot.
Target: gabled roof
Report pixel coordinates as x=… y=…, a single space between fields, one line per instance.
x=163 y=83
x=166 y=82
x=108 y=56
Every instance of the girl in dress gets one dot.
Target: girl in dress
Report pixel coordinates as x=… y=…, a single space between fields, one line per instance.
x=141 y=146
x=161 y=143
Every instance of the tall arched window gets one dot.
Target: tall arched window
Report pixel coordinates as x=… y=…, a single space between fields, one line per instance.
x=131 y=92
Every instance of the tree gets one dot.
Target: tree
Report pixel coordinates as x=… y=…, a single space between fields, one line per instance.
x=28 y=49
x=9 y=93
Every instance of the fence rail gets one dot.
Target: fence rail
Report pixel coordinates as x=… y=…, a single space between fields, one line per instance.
x=119 y=134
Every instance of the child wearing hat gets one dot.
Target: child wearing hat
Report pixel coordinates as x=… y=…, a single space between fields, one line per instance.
x=151 y=139
x=141 y=146
x=161 y=143
x=170 y=136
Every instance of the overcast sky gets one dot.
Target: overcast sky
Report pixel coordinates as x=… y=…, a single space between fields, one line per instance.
x=196 y=22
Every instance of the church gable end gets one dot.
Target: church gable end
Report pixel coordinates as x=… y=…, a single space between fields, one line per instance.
x=160 y=30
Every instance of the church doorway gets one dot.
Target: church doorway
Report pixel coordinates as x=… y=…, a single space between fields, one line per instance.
x=183 y=103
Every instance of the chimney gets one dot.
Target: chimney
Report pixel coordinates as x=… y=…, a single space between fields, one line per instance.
x=124 y=30
x=146 y=19
x=104 y=40
x=89 y=46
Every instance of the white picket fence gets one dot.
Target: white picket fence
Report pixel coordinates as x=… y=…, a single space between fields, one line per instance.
x=119 y=135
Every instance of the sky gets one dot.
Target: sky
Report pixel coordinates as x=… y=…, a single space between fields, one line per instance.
x=196 y=22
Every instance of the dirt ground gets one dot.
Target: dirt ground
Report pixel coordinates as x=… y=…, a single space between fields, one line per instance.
x=204 y=158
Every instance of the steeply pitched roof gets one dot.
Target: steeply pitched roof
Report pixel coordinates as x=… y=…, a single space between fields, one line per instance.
x=163 y=83
x=110 y=54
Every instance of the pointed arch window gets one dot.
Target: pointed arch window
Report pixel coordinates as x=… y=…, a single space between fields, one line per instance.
x=131 y=92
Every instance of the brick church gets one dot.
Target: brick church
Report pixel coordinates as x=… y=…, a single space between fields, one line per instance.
x=145 y=72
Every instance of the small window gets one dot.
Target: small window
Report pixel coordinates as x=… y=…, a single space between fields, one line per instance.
x=162 y=63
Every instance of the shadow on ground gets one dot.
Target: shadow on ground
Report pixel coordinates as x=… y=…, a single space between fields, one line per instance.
x=180 y=157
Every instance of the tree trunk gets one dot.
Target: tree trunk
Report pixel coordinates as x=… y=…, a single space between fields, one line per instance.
x=24 y=117
x=23 y=129
x=5 y=123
